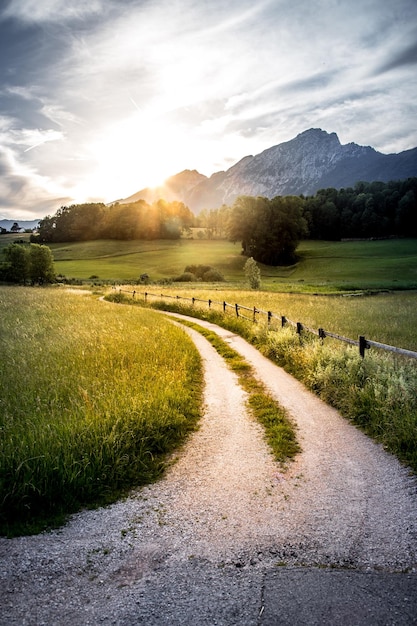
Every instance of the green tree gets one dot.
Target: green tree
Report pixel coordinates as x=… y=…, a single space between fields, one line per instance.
x=41 y=264
x=270 y=230
x=252 y=273
x=24 y=263
x=17 y=263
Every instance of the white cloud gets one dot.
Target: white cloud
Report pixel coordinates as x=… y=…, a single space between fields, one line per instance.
x=52 y=10
x=165 y=85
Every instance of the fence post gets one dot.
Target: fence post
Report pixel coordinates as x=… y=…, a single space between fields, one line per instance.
x=193 y=300
x=209 y=303
x=299 y=328
x=237 y=310
x=283 y=321
x=363 y=345
x=133 y=294
x=254 y=313
x=322 y=333
x=269 y=317
x=224 y=306
x=146 y=295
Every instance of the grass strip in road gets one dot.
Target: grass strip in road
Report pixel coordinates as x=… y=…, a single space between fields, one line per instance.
x=279 y=429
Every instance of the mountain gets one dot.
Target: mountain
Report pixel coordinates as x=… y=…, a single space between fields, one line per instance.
x=311 y=161
x=23 y=224
x=176 y=187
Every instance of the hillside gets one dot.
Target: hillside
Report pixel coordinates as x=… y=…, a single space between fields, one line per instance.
x=313 y=160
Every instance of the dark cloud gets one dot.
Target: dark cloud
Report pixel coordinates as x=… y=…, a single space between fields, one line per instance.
x=403 y=58
x=16 y=106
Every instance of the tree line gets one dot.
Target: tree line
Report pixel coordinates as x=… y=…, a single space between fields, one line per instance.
x=366 y=210
x=270 y=230
x=137 y=220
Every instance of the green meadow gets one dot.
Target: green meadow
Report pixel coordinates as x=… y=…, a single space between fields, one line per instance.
x=92 y=397
x=323 y=267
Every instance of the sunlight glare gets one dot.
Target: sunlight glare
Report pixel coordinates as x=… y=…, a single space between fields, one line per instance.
x=141 y=151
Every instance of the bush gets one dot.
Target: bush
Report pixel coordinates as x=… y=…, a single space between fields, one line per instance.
x=186 y=277
x=198 y=270
x=206 y=273
x=213 y=276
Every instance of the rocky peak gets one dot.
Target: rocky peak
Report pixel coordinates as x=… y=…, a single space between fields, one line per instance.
x=313 y=160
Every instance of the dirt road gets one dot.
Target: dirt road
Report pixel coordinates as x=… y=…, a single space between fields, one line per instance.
x=228 y=537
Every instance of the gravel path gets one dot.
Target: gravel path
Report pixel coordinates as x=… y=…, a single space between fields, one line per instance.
x=199 y=546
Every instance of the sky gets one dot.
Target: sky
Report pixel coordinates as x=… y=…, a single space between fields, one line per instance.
x=100 y=98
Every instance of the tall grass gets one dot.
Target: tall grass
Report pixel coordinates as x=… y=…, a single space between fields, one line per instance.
x=385 y=317
x=91 y=398
x=378 y=393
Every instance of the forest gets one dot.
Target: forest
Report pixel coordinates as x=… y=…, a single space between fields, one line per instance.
x=367 y=210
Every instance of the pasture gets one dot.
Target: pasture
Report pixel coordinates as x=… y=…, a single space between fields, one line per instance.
x=323 y=267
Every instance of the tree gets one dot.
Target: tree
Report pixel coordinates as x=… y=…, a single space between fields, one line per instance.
x=270 y=230
x=252 y=273
x=17 y=264
x=26 y=263
x=41 y=264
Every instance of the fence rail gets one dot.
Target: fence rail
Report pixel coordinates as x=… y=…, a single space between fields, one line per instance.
x=362 y=343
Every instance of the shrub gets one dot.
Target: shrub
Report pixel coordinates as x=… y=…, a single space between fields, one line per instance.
x=206 y=273
x=213 y=276
x=186 y=277
x=252 y=273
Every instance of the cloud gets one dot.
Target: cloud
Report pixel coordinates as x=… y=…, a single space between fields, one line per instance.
x=20 y=187
x=402 y=58
x=114 y=91
x=30 y=11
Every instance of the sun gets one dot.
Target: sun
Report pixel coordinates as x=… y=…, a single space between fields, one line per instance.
x=141 y=151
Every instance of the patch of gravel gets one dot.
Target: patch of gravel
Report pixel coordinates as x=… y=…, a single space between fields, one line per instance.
x=224 y=507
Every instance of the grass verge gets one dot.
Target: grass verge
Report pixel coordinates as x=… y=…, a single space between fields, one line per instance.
x=92 y=398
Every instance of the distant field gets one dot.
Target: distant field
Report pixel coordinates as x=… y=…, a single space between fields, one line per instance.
x=323 y=267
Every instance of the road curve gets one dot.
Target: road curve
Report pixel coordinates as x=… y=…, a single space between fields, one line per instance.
x=228 y=537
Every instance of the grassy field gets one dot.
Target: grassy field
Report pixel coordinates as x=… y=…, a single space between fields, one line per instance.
x=323 y=267
x=389 y=318
x=92 y=396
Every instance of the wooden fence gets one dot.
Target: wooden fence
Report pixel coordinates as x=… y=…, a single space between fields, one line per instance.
x=250 y=314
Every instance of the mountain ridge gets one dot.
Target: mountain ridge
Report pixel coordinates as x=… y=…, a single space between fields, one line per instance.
x=313 y=160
